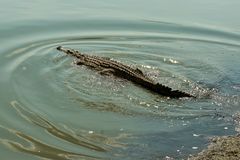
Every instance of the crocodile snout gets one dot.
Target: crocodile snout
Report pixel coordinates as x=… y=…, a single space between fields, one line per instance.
x=59 y=48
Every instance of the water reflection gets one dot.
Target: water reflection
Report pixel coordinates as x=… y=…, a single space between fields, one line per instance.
x=92 y=141
x=38 y=148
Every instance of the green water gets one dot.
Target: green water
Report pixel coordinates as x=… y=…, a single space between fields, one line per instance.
x=52 y=109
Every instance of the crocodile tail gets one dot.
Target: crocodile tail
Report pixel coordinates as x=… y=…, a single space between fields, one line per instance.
x=167 y=91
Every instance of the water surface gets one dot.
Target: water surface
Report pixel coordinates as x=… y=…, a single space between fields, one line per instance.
x=53 y=109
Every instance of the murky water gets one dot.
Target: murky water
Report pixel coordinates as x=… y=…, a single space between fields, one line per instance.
x=53 y=109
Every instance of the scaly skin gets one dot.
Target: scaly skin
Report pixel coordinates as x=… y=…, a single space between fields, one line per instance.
x=106 y=65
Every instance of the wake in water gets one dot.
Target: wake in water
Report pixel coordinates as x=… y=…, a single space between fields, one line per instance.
x=74 y=112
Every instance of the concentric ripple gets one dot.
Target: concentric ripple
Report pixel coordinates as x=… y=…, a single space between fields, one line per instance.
x=54 y=109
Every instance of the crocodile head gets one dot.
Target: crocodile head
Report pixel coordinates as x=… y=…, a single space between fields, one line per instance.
x=71 y=52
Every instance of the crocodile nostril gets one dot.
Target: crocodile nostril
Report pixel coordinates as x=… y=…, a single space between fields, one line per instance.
x=59 y=47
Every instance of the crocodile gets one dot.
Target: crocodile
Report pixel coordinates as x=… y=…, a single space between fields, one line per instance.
x=108 y=66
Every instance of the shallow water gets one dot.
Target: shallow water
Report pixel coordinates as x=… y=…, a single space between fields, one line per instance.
x=53 y=109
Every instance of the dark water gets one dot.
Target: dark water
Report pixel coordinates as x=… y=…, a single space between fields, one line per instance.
x=52 y=109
